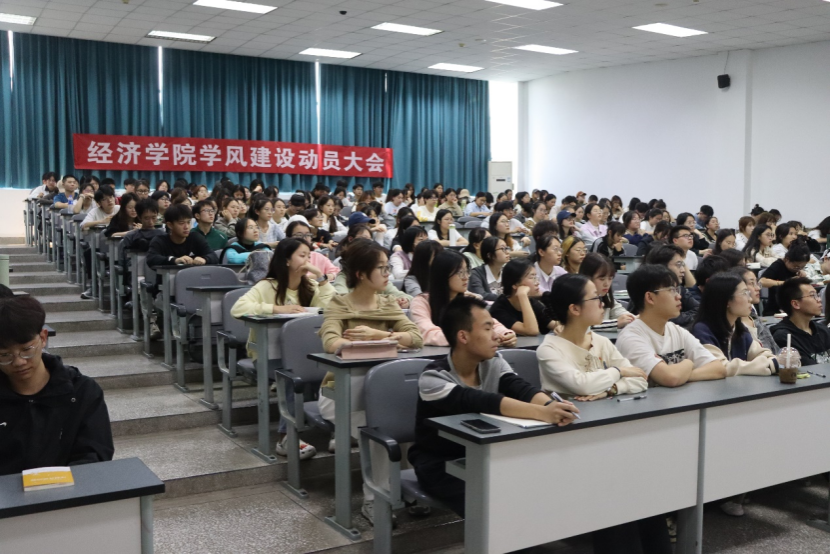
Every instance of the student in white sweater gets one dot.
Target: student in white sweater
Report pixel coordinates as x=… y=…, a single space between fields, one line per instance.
x=669 y=354
x=577 y=361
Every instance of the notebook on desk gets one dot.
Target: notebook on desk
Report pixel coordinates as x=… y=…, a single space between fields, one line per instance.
x=517 y=421
x=368 y=350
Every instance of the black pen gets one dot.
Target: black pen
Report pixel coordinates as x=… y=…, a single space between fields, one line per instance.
x=823 y=376
x=559 y=399
x=632 y=398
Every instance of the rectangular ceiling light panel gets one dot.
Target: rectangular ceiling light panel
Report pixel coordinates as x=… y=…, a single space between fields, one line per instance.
x=529 y=4
x=546 y=49
x=456 y=67
x=322 y=52
x=409 y=29
x=233 y=5
x=671 y=30
x=180 y=36
x=18 y=19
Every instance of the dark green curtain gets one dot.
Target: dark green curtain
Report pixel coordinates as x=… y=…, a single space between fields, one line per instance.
x=354 y=109
x=235 y=97
x=5 y=108
x=439 y=130
x=64 y=86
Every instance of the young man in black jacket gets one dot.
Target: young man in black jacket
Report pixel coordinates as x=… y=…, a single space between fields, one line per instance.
x=472 y=379
x=50 y=414
x=801 y=303
x=181 y=246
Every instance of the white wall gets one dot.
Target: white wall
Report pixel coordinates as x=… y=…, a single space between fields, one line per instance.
x=11 y=212
x=504 y=127
x=665 y=130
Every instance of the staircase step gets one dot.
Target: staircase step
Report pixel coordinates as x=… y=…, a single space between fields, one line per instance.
x=40 y=290
x=66 y=303
x=86 y=320
x=17 y=249
x=32 y=267
x=29 y=257
x=155 y=410
x=13 y=241
x=130 y=371
x=42 y=277
x=84 y=344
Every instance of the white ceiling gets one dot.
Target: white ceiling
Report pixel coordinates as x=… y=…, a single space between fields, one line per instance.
x=476 y=32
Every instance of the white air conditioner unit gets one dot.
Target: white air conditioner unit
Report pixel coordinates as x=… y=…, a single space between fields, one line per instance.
x=499 y=177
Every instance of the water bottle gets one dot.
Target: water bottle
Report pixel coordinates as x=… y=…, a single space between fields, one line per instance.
x=452 y=234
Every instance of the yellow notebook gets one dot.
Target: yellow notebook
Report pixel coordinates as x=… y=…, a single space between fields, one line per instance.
x=47 y=478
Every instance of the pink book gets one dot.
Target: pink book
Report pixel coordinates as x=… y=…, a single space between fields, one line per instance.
x=368 y=350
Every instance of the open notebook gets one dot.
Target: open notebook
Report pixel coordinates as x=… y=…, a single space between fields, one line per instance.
x=519 y=422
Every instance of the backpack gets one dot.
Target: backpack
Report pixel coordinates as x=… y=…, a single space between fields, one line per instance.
x=256 y=266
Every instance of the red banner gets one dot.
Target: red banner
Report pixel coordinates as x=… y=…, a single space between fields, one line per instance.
x=120 y=152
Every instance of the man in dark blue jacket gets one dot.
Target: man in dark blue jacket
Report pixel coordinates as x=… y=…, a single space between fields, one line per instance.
x=50 y=414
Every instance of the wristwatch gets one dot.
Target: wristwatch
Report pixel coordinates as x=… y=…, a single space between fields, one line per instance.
x=322 y=278
x=612 y=391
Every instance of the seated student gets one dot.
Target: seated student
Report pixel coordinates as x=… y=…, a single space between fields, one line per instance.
x=658 y=238
x=759 y=246
x=363 y=314
x=473 y=378
x=671 y=257
x=368 y=216
x=51 y=413
x=473 y=250
x=515 y=221
x=631 y=223
x=403 y=221
x=247 y=232
x=710 y=233
x=654 y=217
x=69 y=195
x=104 y=210
x=756 y=326
x=180 y=246
x=162 y=198
x=793 y=264
x=394 y=202
x=612 y=243
x=703 y=217
x=725 y=240
x=86 y=198
x=139 y=239
x=668 y=353
x=226 y=222
x=785 y=236
x=577 y=361
x=262 y=211
x=126 y=219
x=354 y=232
x=601 y=271
x=518 y=308
x=442 y=232
x=321 y=236
x=538 y=213
x=48 y=186
x=733 y=257
x=684 y=238
x=568 y=204
x=566 y=222
x=401 y=260
x=801 y=303
x=448 y=278
x=593 y=228
x=360 y=241
x=205 y=213
x=499 y=226
x=727 y=301
x=701 y=245
x=485 y=280
x=478 y=207
x=573 y=253
x=300 y=230
x=451 y=203
x=547 y=260
x=286 y=289
x=417 y=279
x=746 y=224
x=709 y=266
x=429 y=210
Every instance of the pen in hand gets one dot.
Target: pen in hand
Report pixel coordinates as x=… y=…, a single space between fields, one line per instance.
x=558 y=398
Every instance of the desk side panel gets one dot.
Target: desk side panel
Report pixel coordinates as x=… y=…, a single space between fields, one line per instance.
x=75 y=530
x=752 y=445
x=567 y=484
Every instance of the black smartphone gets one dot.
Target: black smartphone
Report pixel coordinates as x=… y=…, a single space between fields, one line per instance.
x=481 y=426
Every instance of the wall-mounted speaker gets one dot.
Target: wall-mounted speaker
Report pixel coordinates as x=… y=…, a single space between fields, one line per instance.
x=724 y=81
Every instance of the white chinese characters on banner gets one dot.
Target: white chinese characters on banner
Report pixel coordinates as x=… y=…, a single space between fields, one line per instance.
x=99 y=153
x=260 y=156
x=157 y=152
x=234 y=156
x=184 y=154
x=309 y=159
x=353 y=159
x=375 y=163
x=331 y=161
x=285 y=157
x=210 y=154
x=128 y=153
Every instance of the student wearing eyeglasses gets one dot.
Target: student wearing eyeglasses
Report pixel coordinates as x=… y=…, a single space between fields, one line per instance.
x=485 y=280
x=802 y=304
x=669 y=354
x=671 y=257
x=50 y=414
x=684 y=238
x=793 y=264
x=205 y=214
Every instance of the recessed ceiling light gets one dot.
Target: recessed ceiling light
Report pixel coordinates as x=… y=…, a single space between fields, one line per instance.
x=456 y=67
x=529 y=4
x=396 y=28
x=330 y=53
x=19 y=19
x=545 y=49
x=232 y=5
x=180 y=36
x=673 y=30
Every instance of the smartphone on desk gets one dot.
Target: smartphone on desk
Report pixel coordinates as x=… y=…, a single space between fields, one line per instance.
x=481 y=426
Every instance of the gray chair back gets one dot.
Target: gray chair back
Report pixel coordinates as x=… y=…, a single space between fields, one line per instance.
x=467 y=218
x=298 y=339
x=398 y=284
x=620 y=281
x=391 y=397
x=475 y=223
x=234 y=326
x=205 y=275
x=630 y=249
x=764 y=290
x=525 y=364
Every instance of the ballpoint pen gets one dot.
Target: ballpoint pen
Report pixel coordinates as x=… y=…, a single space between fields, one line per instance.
x=641 y=397
x=559 y=399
